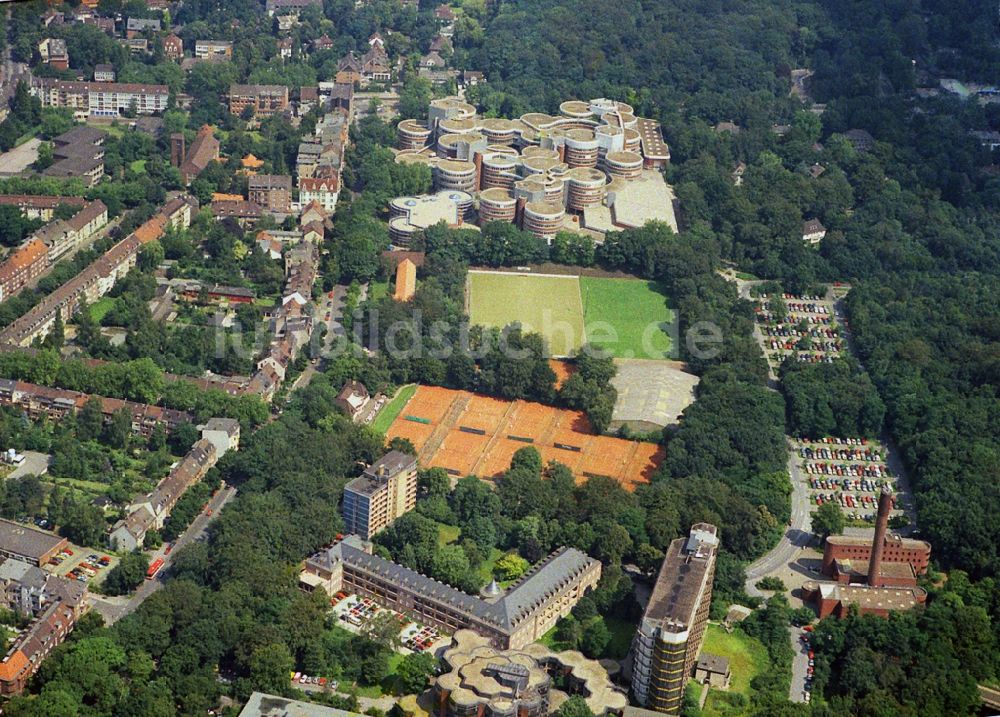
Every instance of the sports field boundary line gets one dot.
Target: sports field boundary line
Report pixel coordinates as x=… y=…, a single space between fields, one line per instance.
x=525 y=273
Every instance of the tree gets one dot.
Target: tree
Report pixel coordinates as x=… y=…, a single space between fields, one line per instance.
x=414 y=672
x=510 y=566
x=827 y=520
x=595 y=638
x=575 y=706
x=118 y=430
x=270 y=666
x=127 y=575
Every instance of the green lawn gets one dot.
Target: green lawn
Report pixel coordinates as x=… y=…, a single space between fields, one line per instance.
x=485 y=571
x=448 y=533
x=549 y=305
x=377 y=289
x=747 y=658
x=113 y=130
x=138 y=166
x=628 y=317
x=392 y=409
x=622 y=632
x=101 y=307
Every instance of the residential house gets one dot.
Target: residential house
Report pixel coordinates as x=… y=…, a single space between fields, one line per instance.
x=323 y=190
x=136 y=26
x=213 y=49
x=54 y=53
x=104 y=73
x=813 y=231
x=173 y=47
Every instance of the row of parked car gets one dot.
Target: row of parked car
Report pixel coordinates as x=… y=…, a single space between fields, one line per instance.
x=89 y=567
x=857 y=470
x=422 y=639
x=791 y=330
x=868 y=455
x=846 y=500
x=303 y=679
x=804 y=307
x=766 y=317
x=810 y=669
x=865 y=485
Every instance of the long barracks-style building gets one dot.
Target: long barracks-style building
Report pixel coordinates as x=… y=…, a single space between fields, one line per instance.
x=511 y=619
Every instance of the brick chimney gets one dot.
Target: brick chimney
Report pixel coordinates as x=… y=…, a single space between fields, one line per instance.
x=177 y=149
x=878 y=544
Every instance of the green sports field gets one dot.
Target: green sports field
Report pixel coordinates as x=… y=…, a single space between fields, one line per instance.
x=549 y=305
x=629 y=318
x=637 y=312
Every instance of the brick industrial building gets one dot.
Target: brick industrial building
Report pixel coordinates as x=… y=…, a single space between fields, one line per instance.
x=512 y=619
x=384 y=492
x=876 y=576
x=666 y=645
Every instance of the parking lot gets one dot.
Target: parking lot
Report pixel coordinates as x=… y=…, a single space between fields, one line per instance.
x=809 y=328
x=83 y=564
x=850 y=472
x=353 y=612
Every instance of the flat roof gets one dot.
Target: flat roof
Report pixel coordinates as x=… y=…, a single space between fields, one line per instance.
x=645 y=199
x=683 y=577
x=26 y=541
x=261 y=704
x=651 y=139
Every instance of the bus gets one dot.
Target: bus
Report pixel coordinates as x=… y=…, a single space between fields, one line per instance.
x=154 y=568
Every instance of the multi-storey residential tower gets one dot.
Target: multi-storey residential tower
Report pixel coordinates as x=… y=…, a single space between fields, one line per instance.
x=666 y=646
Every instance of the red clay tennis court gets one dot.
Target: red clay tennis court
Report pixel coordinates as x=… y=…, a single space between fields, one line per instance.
x=466 y=433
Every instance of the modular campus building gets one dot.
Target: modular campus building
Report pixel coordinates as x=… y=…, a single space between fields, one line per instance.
x=594 y=166
x=510 y=619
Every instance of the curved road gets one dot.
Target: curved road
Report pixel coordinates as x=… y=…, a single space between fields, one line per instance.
x=797 y=535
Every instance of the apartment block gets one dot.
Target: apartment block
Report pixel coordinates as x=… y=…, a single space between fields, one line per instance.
x=213 y=49
x=101 y=99
x=385 y=491
x=266 y=100
x=150 y=511
x=55 y=603
x=666 y=645
x=272 y=192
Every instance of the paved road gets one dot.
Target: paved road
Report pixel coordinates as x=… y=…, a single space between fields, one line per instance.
x=115 y=608
x=797 y=535
x=800 y=664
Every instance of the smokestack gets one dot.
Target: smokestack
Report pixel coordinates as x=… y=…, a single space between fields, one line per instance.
x=477 y=159
x=878 y=544
x=177 y=149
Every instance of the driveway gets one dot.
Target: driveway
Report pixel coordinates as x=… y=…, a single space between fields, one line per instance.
x=800 y=665
x=115 y=608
